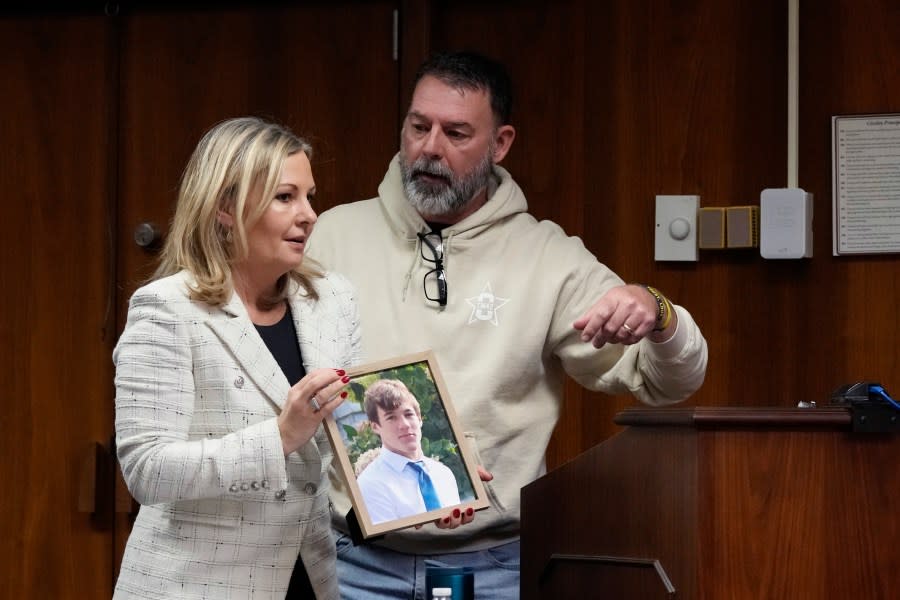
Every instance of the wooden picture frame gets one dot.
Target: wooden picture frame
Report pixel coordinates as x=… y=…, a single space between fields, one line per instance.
x=389 y=494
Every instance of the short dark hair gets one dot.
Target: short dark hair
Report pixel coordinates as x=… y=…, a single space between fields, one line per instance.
x=472 y=71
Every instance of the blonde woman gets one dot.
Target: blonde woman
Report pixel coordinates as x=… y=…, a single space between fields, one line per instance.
x=230 y=359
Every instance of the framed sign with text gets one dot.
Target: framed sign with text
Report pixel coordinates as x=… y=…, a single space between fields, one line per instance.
x=866 y=184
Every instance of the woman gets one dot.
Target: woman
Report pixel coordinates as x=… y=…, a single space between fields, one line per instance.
x=229 y=361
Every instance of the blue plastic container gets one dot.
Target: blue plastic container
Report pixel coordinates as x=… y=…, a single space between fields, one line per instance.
x=461 y=580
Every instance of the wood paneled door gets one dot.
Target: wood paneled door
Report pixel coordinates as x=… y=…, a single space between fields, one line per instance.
x=57 y=303
x=325 y=69
x=101 y=110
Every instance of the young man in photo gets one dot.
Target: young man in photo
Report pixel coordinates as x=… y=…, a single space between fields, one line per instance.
x=401 y=481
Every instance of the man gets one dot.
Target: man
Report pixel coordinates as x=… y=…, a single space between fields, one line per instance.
x=447 y=258
x=401 y=481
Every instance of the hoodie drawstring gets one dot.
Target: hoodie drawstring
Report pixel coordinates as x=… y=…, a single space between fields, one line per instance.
x=412 y=267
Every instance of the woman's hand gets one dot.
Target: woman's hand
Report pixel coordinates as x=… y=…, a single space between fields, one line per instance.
x=308 y=402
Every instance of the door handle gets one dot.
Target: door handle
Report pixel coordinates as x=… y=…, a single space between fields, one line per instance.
x=95 y=485
x=147 y=235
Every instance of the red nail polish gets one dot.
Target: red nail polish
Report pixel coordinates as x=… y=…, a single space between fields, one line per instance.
x=456 y=513
x=470 y=511
x=340 y=372
x=345 y=379
x=344 y=395
x=446 y=519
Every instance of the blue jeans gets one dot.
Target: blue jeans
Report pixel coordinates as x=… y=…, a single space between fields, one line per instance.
x=370 y=572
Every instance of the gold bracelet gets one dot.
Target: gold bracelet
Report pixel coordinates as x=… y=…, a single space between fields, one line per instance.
x=664 y=308
x=668 y=319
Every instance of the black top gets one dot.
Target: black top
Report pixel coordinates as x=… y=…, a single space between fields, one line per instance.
x=281 y=339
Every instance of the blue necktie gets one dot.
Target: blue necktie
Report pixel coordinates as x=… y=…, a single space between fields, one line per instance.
x=429 y=495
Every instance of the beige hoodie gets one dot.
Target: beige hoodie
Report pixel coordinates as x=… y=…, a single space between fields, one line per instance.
x=504 y=342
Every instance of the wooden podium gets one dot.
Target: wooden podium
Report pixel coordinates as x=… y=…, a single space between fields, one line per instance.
x=719 y=504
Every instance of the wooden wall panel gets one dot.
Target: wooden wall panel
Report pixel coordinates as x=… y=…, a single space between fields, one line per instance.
x=324 y=69
x=693 y=101
x=55 y=310
x=618 y=101
x=850 y=57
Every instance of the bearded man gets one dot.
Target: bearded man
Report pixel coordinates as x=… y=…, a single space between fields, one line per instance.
x=448 y=259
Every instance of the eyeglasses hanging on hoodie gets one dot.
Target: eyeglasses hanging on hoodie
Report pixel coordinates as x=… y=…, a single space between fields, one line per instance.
x=435 y=281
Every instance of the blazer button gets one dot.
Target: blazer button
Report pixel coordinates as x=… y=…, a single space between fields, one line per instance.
x=239 y=381
x=310 y=488
x=255 y=485
x=264 y=483
x=233 y=488
x=245 y=486
x=279 y=495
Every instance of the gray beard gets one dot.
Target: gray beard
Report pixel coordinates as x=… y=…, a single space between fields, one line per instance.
x=446 y=197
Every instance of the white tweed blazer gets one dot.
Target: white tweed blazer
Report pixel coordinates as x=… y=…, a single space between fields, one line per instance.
x=223 y=513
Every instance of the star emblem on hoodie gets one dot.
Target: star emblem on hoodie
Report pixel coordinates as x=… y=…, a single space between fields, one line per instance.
x=485 y=305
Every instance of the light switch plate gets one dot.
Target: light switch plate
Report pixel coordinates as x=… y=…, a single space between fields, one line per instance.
x=676 y=227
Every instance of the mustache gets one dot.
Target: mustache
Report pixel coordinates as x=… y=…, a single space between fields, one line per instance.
x=423 y=166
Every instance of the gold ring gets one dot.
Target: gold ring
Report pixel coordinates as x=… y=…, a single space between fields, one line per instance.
x=627 y=328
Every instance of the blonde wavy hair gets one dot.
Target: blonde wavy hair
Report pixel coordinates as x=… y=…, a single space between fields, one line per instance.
x=231 y=163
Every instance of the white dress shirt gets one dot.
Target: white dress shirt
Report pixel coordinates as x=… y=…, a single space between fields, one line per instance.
x=390 y=487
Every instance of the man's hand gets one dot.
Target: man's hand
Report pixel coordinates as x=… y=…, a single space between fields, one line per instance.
x=624 y=315
x=458 y=516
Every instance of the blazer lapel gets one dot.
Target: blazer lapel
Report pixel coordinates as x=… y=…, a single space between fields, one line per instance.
x=315 y=334
x=233 y=326
x=308 y=324
x=307 y=331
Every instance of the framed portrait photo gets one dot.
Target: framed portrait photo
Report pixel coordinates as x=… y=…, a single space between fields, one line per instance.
x=400 y=447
